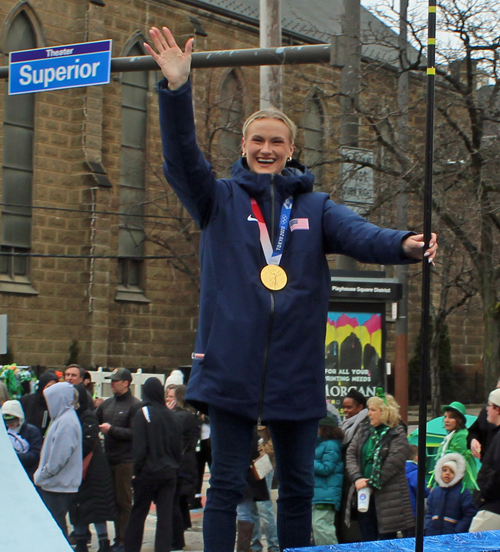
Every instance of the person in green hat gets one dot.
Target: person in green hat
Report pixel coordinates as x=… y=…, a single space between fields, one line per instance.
x=456 y=441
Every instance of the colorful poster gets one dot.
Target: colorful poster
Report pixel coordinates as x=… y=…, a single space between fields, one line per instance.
x=353 y=350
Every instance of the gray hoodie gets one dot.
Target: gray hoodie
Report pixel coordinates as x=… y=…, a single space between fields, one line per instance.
x=60 y=468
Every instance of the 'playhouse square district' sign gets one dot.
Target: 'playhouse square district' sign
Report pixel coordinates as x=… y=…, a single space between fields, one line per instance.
x=59 y=67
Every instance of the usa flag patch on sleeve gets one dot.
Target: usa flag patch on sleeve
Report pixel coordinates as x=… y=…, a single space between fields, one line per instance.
x=299 y=224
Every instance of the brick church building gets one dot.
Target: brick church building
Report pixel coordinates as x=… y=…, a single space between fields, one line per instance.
x=97 y=253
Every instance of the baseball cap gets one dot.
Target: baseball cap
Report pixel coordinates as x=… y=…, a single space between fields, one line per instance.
x=120 y=374
x=9 y=418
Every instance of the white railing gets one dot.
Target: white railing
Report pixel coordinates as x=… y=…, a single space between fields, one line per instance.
x=102 y=387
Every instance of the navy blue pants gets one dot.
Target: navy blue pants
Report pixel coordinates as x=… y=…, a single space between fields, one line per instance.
x=294 y=447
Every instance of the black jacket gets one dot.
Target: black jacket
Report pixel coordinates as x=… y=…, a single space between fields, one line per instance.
x=256 y=488
x=481 y=430
x=30 y=459
x=95 y=500
x=188 y=469
x=119 y=411
x=157 y=435
x=488 y=478
x=35 y=408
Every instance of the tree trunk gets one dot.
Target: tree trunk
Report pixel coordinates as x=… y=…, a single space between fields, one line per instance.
x=491 y=345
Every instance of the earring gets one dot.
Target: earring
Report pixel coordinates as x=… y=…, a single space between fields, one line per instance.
x=243 y=154
x=290 y=158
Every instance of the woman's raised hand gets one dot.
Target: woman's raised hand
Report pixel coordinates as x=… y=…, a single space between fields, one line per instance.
x=174 y=63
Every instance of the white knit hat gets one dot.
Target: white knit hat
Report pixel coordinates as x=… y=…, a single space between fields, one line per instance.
x=176 y=377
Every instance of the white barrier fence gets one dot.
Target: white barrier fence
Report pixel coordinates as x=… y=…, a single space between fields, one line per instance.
x=102 y=386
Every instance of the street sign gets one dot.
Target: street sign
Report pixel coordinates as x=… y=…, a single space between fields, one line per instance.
x=358 y=185
x=60 y=67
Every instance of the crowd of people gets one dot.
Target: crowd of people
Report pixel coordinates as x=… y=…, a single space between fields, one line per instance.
x=258 y=360
x=150 y=456
x=95 y=460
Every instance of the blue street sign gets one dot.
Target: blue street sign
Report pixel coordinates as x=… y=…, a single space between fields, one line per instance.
x=87 y=64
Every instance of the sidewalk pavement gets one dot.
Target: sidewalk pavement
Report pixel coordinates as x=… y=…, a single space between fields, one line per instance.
x=193 y=537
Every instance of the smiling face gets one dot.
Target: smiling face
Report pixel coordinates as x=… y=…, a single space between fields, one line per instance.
x=267 y=145
x=351 y=407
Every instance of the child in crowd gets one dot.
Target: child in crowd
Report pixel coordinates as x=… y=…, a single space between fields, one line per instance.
x=328 y=477
x=450 y=508
x=25 y=438
x=412 y=477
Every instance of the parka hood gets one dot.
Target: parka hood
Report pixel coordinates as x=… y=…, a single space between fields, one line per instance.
x=14 y=408
x=60 y=398
x=152 y=392
x=294 y=179
x=456 y=457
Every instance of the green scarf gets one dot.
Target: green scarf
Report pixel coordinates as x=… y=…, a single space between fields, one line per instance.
x=373 y=454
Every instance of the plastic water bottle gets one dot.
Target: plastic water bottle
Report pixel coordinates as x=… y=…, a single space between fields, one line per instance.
x=364 y=499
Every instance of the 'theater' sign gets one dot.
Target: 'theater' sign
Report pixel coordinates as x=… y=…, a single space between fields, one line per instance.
x=59 y=67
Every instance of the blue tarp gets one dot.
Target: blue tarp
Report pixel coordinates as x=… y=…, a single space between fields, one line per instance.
x=471 y=542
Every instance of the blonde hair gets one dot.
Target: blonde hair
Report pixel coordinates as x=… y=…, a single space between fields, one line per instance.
x=271 y=113
x=389 y=412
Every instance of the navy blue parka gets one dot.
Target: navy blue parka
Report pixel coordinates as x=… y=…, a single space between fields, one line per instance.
x=258 y=352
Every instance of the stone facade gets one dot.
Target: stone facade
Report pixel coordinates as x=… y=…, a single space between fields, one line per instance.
x=79 y=298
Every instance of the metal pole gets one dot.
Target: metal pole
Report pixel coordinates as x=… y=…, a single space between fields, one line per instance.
x=350 y=75
x=401 y=342
x=317 y=53
x=350 y=90
x=426 y=276
x=271 y=77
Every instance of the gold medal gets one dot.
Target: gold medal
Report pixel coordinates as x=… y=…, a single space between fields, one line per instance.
x=273 y=277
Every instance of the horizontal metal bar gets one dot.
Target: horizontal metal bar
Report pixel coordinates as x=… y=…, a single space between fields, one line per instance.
x=318 y=53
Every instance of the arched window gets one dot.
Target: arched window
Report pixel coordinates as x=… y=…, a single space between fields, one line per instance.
x=230 y=121
x=132 y=178
x=312 y=122
x=17 y=163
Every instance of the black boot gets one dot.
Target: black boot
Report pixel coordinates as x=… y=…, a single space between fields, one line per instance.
x=244 y=540
x=81 y=545
x=104 y=546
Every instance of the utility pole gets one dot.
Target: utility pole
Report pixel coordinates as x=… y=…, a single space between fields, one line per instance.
x=401 y=353
x=271 y=77
x=349 y=51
